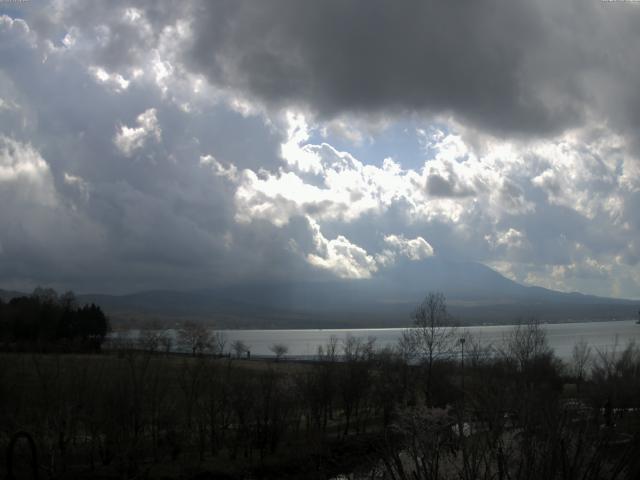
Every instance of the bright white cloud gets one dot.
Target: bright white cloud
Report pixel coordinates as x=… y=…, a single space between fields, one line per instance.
x=457 y=186
x=7 y=105
x=414 y=249
x=130 y=139
x=17 y=28
x=348 y=260
x=396 y=245
x=347 y=189
x=340 y=256
x=22 y=167
x=447 y=188
x=511 y=238
x=114 y=80
x=295 y=151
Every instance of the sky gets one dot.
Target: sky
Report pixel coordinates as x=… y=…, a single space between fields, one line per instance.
x=159 y=144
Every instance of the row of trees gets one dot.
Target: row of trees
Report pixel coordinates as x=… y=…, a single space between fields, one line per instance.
x=45 y=319
x=193 y=338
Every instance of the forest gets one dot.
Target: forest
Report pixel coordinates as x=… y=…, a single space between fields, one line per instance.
x=416 y=410
x=48 y=321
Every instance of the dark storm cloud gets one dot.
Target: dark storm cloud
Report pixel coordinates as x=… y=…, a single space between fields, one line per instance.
x=501 y=65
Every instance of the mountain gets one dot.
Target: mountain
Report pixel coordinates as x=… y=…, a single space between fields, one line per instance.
x=475 y=294
x=6 y=295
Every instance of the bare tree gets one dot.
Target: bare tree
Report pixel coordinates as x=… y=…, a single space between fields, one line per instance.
x=526 y=342
x=329 y=352
x=419 y=446
x=433 y=335
x=406 y=346
x=581 y=357
x=149 y=340
x=239 y=347
x=195 y=338
x=166 y=342
x=68 y=300
x=45 y=295
x=476 y=353
x=354 y=381
x=279 y=350
x=218 y=343
x=615 y=374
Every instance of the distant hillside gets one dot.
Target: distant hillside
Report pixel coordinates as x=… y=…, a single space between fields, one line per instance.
x=7 y=295
x=475 y=294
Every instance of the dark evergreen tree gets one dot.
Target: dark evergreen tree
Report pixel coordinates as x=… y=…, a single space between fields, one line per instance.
x=45 y=319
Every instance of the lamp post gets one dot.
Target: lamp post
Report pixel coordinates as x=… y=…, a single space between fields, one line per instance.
x=461 y=424
x=462 y=340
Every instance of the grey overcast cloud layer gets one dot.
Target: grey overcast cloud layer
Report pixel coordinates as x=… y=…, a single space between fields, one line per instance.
x=157 y=144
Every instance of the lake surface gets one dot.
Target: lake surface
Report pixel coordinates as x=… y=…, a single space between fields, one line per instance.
x=561 y=336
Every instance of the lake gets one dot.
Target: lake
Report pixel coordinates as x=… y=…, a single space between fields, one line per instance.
x=561 y=336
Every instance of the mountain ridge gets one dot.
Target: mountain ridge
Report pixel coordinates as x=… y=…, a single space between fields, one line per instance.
x=476 y=294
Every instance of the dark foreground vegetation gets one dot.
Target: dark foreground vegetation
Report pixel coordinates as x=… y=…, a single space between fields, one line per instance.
x=45 y=321
x=422 y=410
